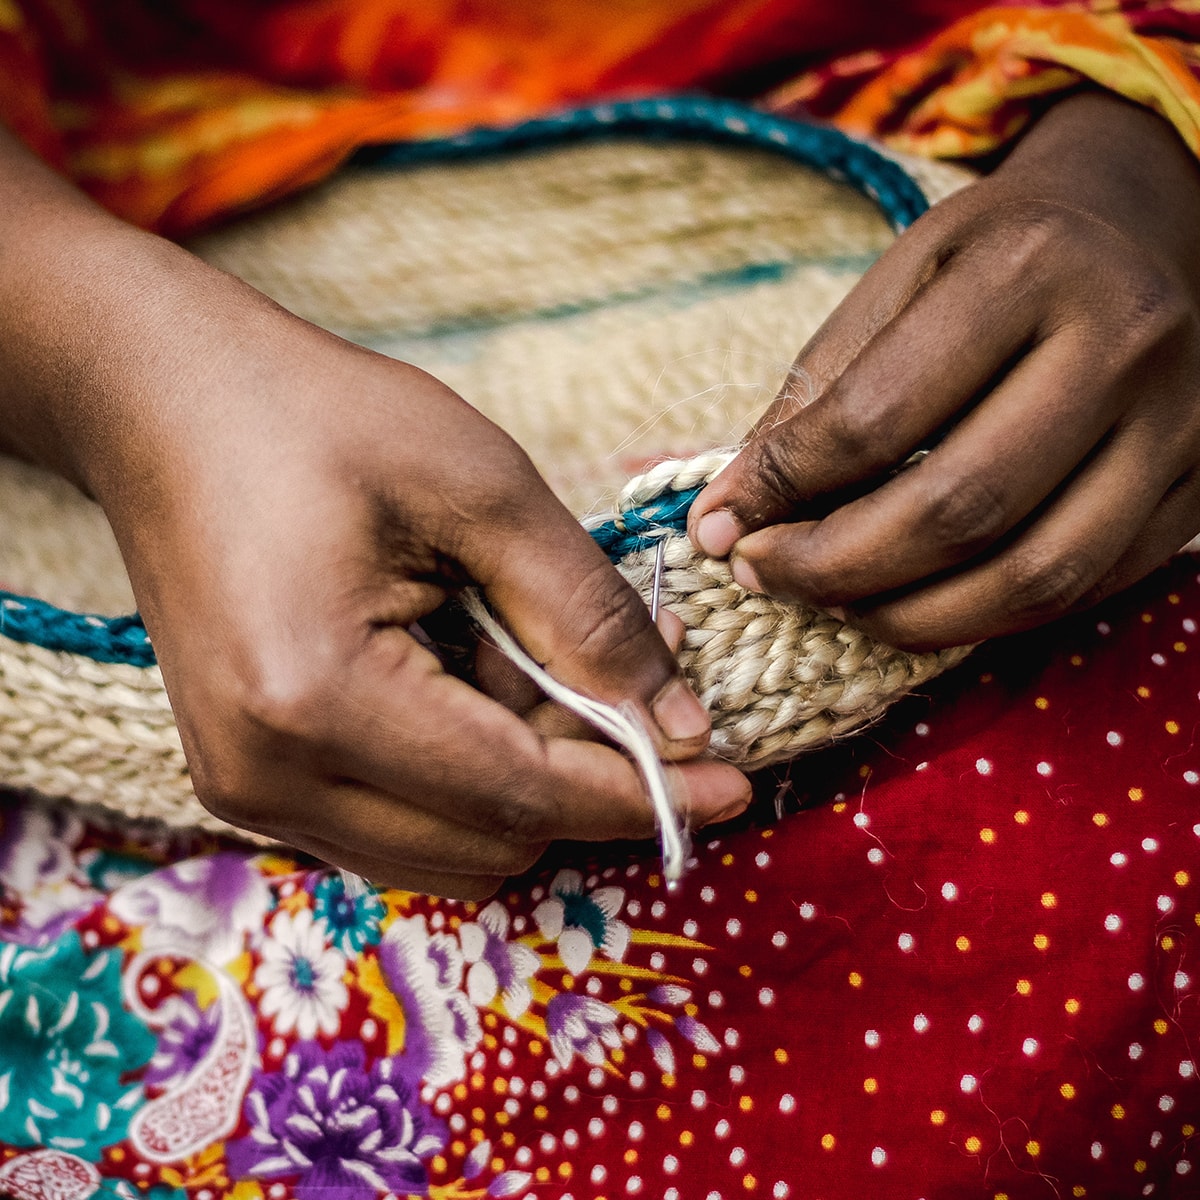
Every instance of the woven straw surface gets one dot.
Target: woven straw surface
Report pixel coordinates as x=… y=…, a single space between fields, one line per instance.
x=778 y=679
x=605 y=303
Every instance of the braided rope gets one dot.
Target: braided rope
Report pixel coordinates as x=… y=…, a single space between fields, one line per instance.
x=83 y=710
x=779 y=679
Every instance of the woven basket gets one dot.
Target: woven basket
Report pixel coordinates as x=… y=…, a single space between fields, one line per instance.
x=613 y=285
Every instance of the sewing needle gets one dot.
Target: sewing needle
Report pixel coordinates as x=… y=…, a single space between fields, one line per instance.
x=656 y=593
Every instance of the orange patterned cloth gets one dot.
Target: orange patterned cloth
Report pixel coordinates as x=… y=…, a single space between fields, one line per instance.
x=175 y=114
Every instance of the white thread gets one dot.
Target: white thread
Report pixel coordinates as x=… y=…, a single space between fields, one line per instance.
x=622 y=724
x=354 y=886
x=691 y=375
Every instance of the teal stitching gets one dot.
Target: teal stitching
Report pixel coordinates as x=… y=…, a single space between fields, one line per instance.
x=637 y=528
x=104 y=639
x=124 y=639
x=683 y=117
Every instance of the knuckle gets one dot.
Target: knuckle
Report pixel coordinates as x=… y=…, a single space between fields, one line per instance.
x=860 y=435
x=231 y=797
x=284 y=699
x=1159 y=309
x=1027 y=232
x=518 y=821
x=504 y=485
x=776 y=473
x=965 y=515
x=1041 y=590
x=615 y=621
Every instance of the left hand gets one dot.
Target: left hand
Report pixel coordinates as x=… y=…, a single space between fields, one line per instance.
x=1041 y=331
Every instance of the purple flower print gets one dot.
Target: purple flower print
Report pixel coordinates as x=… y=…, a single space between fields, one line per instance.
x=497 y=965
x=185 y=1039
x=201 y=907
x=39 y=870
x=425 y=972
x=583 y=1026
x=336 y=1127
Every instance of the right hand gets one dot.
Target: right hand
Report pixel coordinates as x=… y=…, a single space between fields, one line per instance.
x=288 y=505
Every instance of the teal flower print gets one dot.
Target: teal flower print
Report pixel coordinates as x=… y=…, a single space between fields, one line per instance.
x=582 y=922
x=353 y=921
x=67 y=1042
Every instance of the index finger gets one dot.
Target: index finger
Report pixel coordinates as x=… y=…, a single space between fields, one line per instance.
x=917 y=372
x=406 y=728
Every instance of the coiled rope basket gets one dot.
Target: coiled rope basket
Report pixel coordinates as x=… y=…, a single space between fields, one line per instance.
x=645 y=271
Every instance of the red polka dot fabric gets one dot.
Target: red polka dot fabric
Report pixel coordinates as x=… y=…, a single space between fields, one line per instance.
x=963 y=963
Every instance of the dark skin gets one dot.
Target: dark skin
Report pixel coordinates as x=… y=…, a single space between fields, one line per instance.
x=1041 y=331
x=288 y=504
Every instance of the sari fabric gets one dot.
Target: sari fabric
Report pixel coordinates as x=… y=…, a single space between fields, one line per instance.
x=175 y=115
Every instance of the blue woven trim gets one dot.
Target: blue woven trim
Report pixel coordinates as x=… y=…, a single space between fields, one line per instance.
x=124 y=639
x=104 y=639
x=640 y=527
x=702 y=118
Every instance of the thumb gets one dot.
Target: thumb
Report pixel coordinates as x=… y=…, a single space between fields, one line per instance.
x=767 y=483
x=574 y=613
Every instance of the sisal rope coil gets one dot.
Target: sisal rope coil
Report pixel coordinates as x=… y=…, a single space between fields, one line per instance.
x=98 y=732
x=603 y=301
x=779 y=679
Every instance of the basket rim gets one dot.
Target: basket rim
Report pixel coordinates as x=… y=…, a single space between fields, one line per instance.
x=681 y=117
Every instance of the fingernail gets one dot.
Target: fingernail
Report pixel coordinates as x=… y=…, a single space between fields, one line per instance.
x=671 y=628
x=730 y=811
x=680 y=716
x=838 y=614
x=716 y=533
x=744 y=575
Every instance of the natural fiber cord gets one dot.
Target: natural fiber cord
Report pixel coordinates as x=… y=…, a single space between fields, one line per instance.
x=779 y=679
x=602 y=301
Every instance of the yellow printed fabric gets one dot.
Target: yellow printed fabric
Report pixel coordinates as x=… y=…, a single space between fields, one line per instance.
x=178 y=113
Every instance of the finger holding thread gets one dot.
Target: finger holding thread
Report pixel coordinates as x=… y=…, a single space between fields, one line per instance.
x=622 y=723
x=571 y=610
x=500 y=678
x=551 y=719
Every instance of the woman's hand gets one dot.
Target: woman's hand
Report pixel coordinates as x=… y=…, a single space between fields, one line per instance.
x=1039 y=332
x=288 y=505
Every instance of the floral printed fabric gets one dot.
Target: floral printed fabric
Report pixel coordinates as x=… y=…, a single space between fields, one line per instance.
x=967 y=968
x=181 y=113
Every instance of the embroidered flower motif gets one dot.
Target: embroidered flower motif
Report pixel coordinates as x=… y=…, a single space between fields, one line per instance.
x=582 y=922
x=200 y=908
x=109 y=870
x=497 y=965
x=353 y=921
x=38 y=868
x=301 y=977
x=337 y=1128
x=187 y=1036
x=48 y=1173
x=66 y=1042
x=424 y=972
x=581 y=1025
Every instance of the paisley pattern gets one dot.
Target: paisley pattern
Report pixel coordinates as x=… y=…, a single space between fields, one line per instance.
x=956 y=954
